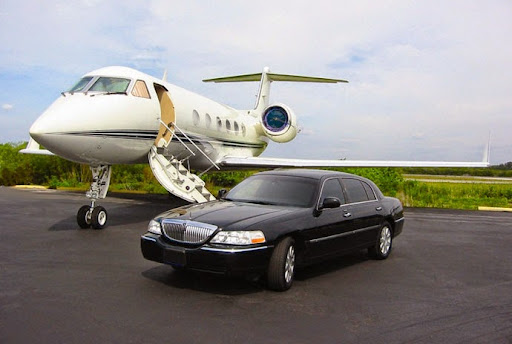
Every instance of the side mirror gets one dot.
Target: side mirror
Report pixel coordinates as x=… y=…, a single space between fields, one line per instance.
x=331 y=202
x=222 y=193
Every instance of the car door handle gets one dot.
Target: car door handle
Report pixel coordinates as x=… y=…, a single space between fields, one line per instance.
x=347 y=214
x=378 y=208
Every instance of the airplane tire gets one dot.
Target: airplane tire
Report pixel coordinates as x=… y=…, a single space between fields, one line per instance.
x=99 y=218
x=82 y=217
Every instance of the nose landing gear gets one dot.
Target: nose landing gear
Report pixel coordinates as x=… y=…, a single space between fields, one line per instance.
x=92 y=215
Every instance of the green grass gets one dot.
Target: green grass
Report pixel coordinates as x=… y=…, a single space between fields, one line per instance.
x=455 y=195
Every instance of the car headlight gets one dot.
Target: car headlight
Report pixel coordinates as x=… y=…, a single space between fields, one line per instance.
x=155 y=227
x=238 y=238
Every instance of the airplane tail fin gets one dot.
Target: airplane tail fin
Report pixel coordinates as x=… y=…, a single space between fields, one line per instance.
x=265 y=78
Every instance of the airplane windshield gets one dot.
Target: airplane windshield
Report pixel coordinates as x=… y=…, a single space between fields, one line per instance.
x=80 y=85
x=110 y=85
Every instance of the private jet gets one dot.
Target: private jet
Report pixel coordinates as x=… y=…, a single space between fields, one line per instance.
x=118 y=115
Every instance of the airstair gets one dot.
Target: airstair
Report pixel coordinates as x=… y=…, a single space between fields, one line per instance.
x=173 y=175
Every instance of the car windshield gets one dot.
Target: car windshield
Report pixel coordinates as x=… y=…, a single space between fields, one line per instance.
x=275 y=190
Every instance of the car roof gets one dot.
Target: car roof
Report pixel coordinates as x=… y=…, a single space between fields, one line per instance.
x=308 y=173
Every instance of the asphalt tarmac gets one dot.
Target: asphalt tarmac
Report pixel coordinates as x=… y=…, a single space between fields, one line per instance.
x=448 y=280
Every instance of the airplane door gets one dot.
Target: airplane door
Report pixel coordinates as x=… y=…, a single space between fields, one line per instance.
x=167 y=115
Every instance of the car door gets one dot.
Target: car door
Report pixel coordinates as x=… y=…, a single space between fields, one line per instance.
x=327 y=236
x=364 y=209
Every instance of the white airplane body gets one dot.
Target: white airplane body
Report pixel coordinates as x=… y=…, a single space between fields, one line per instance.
x=117 y=115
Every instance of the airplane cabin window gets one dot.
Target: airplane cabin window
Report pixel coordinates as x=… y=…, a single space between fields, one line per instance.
x=228 y=125
x=140 y=90
x=109 y=84
x=195 y=118
x=219 y=123
x=81 y=84
x=237 y=128
x=208 y=120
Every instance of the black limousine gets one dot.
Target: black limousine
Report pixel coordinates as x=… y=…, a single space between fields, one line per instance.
x=275 y=221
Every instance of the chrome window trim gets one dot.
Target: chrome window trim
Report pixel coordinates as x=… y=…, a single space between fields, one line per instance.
x=322 y=190
x=347 y=202
x=369 y=201
x=374 y=194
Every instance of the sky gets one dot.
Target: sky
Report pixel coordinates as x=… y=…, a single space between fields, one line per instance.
x=428 y=80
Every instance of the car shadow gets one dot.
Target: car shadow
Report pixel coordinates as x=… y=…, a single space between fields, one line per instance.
x=232 y=286
x=331 y=265
x=203 y=282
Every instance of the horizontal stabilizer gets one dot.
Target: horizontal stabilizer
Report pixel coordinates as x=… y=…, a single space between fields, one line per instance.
x=274 y=77
x=260 y=162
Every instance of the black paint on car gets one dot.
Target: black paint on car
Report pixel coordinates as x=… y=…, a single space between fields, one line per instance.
x=275 y=221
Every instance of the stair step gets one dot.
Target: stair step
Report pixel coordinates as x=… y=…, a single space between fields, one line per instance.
x=177 y=179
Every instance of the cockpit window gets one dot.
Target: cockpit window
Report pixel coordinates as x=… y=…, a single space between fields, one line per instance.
x=108 y=84
x=140 y=89
x=80 y=85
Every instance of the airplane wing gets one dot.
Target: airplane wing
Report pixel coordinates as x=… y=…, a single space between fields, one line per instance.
x=261 y=162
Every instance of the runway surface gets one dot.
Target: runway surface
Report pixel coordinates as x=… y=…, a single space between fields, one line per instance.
x=448 y=280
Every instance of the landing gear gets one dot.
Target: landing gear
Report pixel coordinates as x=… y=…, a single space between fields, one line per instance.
x=92 y=215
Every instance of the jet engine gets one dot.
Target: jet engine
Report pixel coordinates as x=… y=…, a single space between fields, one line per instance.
x=279 y=123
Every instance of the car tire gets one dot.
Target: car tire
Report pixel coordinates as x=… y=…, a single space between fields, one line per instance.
x=281 y=269
x=82 y=217
x=99 y=218
x=383 y=244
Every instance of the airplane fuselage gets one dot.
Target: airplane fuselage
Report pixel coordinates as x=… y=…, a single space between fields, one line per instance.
x=102 y=126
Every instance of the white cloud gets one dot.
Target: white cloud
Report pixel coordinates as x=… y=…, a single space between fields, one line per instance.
x=7 y=107
x=418 y=72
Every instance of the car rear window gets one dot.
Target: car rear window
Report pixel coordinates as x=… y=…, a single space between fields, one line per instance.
x=355 y=190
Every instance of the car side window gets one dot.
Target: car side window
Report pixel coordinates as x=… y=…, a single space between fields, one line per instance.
x=369 y=191
x=355 y=190
x=332 y=188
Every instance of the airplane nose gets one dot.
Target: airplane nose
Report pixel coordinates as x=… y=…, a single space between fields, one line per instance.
x=40 y=129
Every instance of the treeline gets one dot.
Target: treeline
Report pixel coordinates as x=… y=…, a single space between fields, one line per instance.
x=52 y=171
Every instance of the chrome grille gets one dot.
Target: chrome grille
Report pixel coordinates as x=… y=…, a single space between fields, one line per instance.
x=187 y=231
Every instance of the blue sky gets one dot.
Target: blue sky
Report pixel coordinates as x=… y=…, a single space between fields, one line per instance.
x=428 y=79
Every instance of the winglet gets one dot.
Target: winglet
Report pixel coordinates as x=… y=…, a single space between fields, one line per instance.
x=487 y=151
x=164 y=77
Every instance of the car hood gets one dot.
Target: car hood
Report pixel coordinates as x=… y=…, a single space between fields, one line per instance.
x=230 y=215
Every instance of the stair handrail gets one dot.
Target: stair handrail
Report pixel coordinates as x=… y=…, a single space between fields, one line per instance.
x=189 y=140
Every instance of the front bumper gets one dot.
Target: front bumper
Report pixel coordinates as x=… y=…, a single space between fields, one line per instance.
x=216 y=259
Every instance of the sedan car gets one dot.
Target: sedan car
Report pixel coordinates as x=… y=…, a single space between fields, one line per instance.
x=275 y=221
